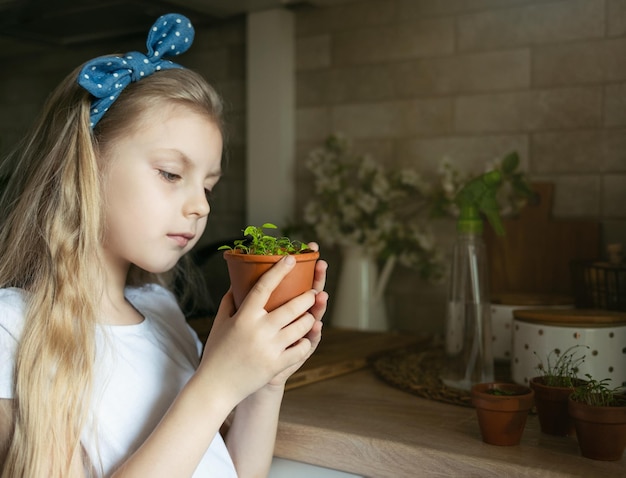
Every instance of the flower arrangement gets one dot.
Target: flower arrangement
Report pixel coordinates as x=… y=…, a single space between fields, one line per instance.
x=357 y=201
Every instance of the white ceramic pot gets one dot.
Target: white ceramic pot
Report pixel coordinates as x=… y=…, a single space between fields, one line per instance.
x=502 y=308
x=538 y=332
x=359 y=302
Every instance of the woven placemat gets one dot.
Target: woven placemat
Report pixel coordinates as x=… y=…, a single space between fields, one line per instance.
x=417 y=370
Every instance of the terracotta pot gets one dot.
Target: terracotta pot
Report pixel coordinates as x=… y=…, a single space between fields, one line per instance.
x=551 y=403
x=245 y=269
x=601 y=431
x=502 y=418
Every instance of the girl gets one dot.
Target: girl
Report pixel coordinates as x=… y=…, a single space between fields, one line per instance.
x=99 y=373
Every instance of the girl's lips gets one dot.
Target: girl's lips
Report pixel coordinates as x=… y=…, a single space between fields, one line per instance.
x=181 y=239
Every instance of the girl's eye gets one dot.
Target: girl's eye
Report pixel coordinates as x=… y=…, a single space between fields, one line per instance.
x=208 y=194
x=171 y=177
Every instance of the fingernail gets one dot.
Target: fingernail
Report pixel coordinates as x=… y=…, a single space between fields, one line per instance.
x=290 y=260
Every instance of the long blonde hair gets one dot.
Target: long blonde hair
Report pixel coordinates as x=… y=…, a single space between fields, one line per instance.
x=51 y=225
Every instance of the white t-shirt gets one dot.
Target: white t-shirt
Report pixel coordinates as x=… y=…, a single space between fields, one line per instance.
x=139 y=371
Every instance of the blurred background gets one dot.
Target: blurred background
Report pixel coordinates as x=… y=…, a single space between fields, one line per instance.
x=410 y=82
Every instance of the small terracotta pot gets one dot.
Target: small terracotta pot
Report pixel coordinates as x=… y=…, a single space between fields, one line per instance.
x=601 y=431
x=551 y=403
x=502 y=418
x=245 y=269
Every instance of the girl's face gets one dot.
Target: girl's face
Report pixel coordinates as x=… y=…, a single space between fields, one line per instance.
x=156 y=185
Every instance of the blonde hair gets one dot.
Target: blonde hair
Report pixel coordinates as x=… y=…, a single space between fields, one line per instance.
x=51 y=225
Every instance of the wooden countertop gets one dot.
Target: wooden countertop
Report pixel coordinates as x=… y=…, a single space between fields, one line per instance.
x=358 y=424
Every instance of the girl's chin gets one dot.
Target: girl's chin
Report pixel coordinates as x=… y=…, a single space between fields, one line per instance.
x=161 y=268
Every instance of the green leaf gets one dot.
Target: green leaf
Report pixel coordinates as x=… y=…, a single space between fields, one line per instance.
x=264 y=244
x=250 y=231
x=510 y=163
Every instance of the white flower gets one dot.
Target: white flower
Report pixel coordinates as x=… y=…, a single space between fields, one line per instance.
x=328 y=184
x=444 y=166
x=407 y=258
x=368 y=166
x=350 y=212
x=367 y=202
x=380 y=186
x=424 y=239
x=315 y=161
x=385 y=223
x=410 y=178
x=491 y=165
x=448 y=186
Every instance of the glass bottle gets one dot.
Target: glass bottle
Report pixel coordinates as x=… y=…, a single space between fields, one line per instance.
x=468 y=343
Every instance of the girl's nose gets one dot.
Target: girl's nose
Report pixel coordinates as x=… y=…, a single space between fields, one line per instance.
x=197 y=203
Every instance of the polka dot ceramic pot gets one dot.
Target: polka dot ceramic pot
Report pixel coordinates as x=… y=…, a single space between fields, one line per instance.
x=538 y=332
x=502 y=308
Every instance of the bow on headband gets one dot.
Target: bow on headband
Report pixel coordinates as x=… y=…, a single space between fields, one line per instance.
x=107 y=76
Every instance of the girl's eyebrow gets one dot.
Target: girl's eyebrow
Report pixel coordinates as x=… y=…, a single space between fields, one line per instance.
x=188 y=163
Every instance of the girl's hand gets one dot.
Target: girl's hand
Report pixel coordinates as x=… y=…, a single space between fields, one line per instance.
x=314 y=336
x=249 y=347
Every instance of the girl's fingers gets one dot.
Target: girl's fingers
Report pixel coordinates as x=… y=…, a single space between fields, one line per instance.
x=278 y=340
x=296 y=330
x=261 y=291
x=319 y=279
x=227 y=305
x=297 y=353
x=321 y=303
x=315 y=334
x=284 y=315
x=313 y=246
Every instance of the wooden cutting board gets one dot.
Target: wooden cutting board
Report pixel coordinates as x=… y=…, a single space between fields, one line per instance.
x=533 y=257
x=343 y=350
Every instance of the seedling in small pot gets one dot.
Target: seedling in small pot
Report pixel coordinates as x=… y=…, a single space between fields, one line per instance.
x=262 y=244
x=251 y=257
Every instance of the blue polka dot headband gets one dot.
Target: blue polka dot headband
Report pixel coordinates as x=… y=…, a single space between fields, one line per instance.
x=105 y=77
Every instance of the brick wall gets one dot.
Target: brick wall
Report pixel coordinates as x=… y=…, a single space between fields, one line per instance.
x=414 y=81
